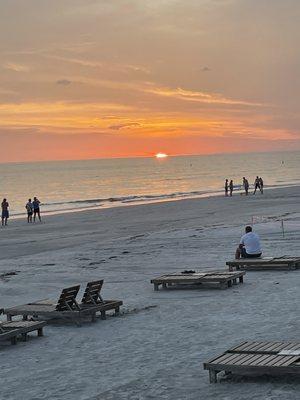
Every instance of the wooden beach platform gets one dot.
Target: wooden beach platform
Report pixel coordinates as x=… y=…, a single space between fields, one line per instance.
x=205 y=279
x=257 y=358
x=264 y=263
x=14 y=329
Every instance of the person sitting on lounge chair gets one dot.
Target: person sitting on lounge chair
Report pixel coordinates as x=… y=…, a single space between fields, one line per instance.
x=249 y=246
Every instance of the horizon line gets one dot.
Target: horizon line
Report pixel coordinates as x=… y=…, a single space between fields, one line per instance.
x=148 y=156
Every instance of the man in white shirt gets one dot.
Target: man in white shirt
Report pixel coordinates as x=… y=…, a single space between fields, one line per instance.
x=249 y=246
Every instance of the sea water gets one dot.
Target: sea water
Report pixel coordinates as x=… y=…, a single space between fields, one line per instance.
x=76 y=185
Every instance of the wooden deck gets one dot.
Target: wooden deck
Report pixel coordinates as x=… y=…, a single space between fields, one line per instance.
x=265 y=263
x=217 y=279
x=46 y=309
x=14 y=329
x=259 y=358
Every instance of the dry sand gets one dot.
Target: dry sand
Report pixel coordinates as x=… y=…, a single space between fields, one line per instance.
x=156 y=348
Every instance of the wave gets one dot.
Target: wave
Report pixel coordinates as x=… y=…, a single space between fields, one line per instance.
x=128 y=199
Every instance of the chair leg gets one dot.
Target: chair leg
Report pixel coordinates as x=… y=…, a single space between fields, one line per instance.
x=40 y=332
x=13 y=340
x=103 y=315
x=213 y=376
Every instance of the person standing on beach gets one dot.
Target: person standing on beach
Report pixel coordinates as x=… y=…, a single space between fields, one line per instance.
x=29 y=208
x=226 y=187
x=36 y=209
x=249 y=246
x=231 y=187
x=246 y=185
x=256 y=184
x=261 y=185
x=5 y=213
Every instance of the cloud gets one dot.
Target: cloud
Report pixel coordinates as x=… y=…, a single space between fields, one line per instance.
x=118 y=127
x=205 y=69
x=16 y=67
x=64 y=82
x=201 y=97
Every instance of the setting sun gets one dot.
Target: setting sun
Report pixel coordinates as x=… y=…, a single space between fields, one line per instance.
x=161 y=155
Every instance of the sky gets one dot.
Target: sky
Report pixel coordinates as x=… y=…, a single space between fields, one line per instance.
x=86 y=79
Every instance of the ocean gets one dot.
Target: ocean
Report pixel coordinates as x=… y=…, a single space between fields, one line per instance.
x=76 y=185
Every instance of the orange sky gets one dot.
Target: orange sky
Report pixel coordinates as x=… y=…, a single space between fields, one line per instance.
x=92 y=78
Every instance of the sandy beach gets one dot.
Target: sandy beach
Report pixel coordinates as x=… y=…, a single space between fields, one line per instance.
x=156 y=347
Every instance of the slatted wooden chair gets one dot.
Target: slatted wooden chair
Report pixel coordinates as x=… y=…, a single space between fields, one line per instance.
x=259 y=358
x=92 y=293
x=93 y=301
x=66 y=307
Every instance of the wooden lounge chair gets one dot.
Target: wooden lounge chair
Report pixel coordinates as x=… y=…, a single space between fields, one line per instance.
x=93 y=301
x=67 y=306
x=11 y=330
x=218 y=279
x=259 y=358
x=92 y=293
x=264 y=263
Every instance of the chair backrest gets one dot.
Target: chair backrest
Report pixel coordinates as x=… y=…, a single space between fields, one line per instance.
x=92 y=293
x=67 y=299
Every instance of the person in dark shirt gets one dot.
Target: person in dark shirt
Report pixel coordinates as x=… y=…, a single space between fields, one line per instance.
x=261 y=185
x=29 y=209
x=246 y=185
x=36 y=209
x=256 y=184
x=231 y=187
x=226 y=187
x=5 y=212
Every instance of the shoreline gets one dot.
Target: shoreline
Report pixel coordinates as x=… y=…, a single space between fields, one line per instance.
x=76 y=228
x=131 y=203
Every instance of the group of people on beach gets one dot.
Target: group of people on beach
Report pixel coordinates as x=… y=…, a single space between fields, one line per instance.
x=258 y=184
x=32 y=208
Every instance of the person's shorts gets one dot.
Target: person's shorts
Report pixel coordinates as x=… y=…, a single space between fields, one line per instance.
x=36 y=210
x=29 y=213
x=246 y=255
x=5 y=214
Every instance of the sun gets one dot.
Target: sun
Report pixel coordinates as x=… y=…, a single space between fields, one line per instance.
x=161 y=155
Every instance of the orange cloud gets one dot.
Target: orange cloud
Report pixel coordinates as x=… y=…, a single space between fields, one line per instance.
x=201 y=97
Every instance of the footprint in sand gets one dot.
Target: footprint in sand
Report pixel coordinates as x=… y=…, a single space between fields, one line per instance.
x=96 y=262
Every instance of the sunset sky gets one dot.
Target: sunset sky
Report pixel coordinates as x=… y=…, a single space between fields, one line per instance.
x=120 y=78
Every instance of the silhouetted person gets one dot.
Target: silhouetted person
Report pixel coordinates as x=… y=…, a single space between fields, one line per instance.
x=226 y=187
x=5 y=212
x=256 y=184
x=261 y=185
x=246 y=185
x=36 y=208
x=231 y=187
x=29 y=208
x=249 y=246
